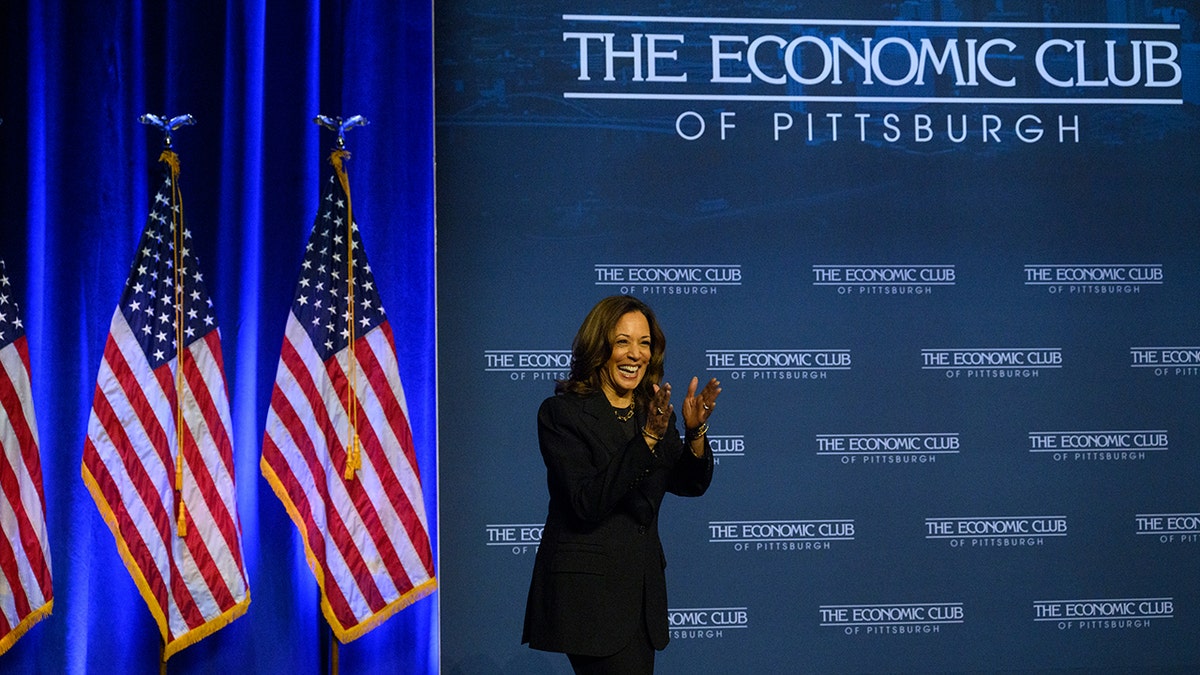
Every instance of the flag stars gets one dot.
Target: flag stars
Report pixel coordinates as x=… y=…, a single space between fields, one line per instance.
x=331 y=258
x=165 y=293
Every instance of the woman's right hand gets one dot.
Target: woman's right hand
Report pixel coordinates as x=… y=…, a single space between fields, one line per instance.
x=658 y=416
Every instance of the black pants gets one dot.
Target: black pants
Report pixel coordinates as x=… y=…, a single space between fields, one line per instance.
x=635 y=658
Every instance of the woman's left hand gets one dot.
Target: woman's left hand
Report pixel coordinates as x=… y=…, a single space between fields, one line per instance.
x=697 y=408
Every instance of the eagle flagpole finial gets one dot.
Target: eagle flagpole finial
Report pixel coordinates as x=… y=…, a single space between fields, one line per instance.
x=336 y=124
x=167 y=125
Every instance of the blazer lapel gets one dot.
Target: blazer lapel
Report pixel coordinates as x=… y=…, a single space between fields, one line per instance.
x=598 y=416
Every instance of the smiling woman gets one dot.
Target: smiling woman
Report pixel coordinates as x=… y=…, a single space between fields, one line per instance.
x=612 y=451
x=625 y=368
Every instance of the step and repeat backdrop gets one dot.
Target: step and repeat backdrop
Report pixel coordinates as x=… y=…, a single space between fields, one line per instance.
x=944 y=258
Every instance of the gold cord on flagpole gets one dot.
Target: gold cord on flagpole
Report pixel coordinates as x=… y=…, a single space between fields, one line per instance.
x=354 y=446
x=172 y=160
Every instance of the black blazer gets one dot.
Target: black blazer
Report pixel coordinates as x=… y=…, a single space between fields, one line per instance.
x=599 y=570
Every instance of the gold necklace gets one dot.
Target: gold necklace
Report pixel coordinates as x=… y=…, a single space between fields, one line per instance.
x=624 y=415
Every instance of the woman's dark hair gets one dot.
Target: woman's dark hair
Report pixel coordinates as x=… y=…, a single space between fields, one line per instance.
x=593 y=347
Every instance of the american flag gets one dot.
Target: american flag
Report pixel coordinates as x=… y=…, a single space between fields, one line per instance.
x=365 y=535
x=26 y=591
x=158 y=458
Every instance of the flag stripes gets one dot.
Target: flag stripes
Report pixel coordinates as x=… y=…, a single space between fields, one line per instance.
x=26 y=587
x=161 y=410
x=365 y=537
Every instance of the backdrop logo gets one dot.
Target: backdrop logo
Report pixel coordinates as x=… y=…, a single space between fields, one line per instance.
x=777 y=364
x=1098 y=446
x=518 y=538
x=887 y=448
x=1166 y=360
x=1003 y=362
x=1169 y=527
x=995 y=531
x=1103 y=614
x=889 y=619
x=1026 y=68
x=529 y=364
x=781 y=535
x=667 y=279
x=1094 y=279
x=706 y=623
x=884 y=279
x=723 y=446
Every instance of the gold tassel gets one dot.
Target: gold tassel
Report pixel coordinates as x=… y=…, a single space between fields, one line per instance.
x=353 y=458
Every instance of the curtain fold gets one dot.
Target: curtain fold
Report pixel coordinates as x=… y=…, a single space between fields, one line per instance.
x=76 y=165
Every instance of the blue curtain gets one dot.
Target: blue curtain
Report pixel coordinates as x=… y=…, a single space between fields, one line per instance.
x=76 y=165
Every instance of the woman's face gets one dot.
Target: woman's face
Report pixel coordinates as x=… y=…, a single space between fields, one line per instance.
x=626 y=366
